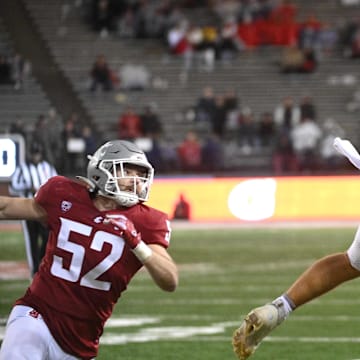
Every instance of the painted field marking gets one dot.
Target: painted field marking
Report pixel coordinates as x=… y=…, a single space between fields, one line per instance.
x=211 y=332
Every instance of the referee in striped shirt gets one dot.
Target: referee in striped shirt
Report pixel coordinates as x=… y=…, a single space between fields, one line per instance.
x=27 y=179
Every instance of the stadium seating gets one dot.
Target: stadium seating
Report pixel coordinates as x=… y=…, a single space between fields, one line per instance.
x=254 y=74
x=26 y=103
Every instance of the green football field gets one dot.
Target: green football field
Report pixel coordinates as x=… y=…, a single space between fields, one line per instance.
x=223 y=274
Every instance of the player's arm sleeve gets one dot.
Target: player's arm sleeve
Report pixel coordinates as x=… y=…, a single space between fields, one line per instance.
x=45 y=193
x=157 y=230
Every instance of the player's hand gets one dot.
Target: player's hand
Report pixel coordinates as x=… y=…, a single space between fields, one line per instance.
x=127 y=229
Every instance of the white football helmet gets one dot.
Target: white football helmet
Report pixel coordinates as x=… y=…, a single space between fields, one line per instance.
x=108 y=165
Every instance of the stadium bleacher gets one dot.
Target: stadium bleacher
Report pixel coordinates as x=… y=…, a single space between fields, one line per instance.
x=254 y=74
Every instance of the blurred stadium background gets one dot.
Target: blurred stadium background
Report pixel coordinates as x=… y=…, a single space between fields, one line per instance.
x=253 y=226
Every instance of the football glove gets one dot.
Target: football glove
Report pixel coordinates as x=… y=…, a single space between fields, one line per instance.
x=127 y=229
x=128 y=232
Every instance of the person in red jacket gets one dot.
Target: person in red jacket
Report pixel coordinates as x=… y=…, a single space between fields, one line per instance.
x=189 y=152
x=130 y=126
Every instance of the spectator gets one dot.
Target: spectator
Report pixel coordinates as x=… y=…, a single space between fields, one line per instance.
x=212 y=153
x=5 y=71
x=284 y=158
x=170 y=158
x=292 y=59
x=55 y=126
x=307 y=108
x=177 y=39
x=150 y=122
x=232 y=107
x=247 y=133
x=130 y=126
x=328 y=39
x=306 y=138
x=154 y=153
x=348 y=34
x=205 y=107
x=72 y=139
x=309 y=32
x=18 y=127
x=355 y=45
x=182 y=209
x=43 y=134
x=331 y=158
x=179 y=44
x=194 y=36
x=219 y=117
x=102 y=17
x=21 y=68
x=232 y=101
x=90 y=142
x=210 y=45
x=310 y=61
x=266 y=131
x=229 y=43
x=189 y=152
x=287 y=114
x=101 y=75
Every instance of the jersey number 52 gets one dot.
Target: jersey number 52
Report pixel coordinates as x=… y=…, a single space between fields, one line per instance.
x=72 y=273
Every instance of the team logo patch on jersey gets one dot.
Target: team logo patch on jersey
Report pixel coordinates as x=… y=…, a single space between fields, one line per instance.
x=66 y=205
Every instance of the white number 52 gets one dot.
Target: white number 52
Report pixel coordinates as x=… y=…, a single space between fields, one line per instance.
x=78 y=253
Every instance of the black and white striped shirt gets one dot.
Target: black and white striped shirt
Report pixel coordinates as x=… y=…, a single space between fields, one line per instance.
x=28 y=178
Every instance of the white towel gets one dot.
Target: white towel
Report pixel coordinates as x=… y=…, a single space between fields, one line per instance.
x=346 y=148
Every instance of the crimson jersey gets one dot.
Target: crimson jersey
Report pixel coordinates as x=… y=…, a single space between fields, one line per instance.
x=87 y=264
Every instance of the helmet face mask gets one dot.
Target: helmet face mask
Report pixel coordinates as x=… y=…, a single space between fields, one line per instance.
x=121 y=171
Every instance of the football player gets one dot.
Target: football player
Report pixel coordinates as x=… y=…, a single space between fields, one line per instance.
x=322 y=276
x=101 y=234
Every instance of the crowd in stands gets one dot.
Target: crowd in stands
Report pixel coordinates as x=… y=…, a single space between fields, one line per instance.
x=291 y=132
x=240 y=25
x=65 y=144
x=130 y=76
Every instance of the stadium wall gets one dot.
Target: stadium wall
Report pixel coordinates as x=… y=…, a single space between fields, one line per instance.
x=245 y=200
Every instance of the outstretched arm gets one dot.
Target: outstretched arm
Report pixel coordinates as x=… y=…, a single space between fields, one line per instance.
x=20 y=209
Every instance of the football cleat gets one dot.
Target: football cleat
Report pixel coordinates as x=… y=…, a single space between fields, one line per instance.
x=256 y=325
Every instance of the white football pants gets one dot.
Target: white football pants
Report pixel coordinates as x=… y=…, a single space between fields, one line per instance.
x=27 y=337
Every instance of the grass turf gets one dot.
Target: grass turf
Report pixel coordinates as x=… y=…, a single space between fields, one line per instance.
x=223 y=274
